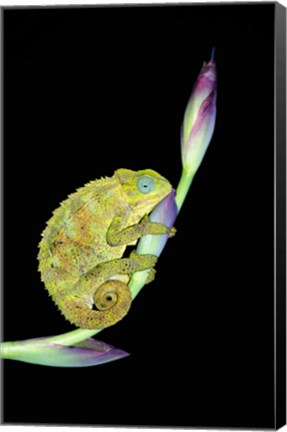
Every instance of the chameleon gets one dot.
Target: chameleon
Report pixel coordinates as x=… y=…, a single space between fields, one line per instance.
x=81 y=250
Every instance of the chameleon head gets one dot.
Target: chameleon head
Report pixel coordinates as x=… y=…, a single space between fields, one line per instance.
x=143 y=189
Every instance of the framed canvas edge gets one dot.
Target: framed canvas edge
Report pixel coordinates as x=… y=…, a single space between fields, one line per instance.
x=279 y=213
x=280 y=216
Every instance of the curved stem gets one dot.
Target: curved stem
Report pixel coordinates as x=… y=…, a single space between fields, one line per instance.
x=73 y=337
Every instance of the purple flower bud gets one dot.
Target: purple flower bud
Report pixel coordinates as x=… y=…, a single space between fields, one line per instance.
x=199 y=118
x=90 y=352
x=165 y=213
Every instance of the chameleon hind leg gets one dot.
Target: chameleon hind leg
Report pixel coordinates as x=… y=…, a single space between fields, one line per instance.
x=111 y=297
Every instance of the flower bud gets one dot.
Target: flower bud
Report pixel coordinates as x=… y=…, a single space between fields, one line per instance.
x=165 y=213
x=89 y=352
x=199 y=118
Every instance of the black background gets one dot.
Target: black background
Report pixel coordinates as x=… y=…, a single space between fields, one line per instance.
x=89 y=90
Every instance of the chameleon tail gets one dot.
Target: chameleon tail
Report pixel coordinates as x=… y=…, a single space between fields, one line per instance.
x=112 y=301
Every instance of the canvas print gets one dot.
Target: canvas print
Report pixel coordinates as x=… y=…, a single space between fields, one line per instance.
x=139 y=253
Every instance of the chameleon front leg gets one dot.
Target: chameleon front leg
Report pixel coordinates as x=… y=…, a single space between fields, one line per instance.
x=111 y=298
x=118 y=234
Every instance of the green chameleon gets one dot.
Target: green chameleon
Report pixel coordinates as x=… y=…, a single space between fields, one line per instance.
x=81 y=250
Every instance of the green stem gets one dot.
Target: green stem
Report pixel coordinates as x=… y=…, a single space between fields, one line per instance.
x=138 y=279
x=183 y=187
x=9 y=349
x=14 y=350
x=73 y=337
x=137 y=282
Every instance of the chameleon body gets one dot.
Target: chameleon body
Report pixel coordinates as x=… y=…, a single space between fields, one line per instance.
x=81 y=251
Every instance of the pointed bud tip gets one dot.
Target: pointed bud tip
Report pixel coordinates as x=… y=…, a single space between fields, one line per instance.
x=212 y=56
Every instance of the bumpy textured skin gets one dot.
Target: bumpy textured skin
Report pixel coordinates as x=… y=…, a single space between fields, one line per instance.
x=80 y=256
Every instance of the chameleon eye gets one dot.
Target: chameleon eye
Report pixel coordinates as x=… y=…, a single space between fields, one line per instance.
x=145 y=184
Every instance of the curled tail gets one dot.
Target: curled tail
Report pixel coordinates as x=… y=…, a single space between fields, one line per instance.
x=110 y=303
